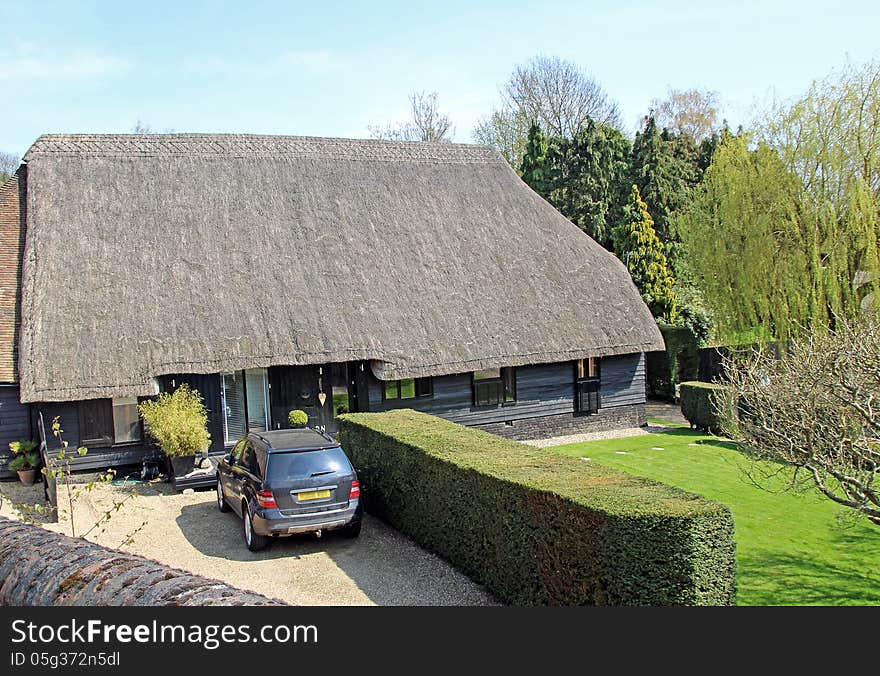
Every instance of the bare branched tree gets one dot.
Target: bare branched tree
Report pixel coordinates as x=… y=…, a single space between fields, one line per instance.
x=8 y=164
x=816 y=410
x=142 y=128
x=556 y=93
x=691 y=112
x=426 y=123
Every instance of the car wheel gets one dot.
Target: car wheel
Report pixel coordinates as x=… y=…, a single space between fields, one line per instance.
x=352 y=530
x=254 y=541
x=222 y=505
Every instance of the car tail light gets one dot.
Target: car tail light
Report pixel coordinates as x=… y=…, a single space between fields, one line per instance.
x=355 y=490
x=265 y=499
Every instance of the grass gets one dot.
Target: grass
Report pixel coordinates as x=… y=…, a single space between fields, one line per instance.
x=792 y=548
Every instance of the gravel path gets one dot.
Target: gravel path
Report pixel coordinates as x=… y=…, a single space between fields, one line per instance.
x=381 y=567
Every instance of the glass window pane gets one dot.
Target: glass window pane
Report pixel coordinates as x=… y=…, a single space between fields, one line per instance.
x=424 y=387
x=407 y=388
x=256 y=381
x=232 y=393
x=485 y=374
x=126 y=423
x=593 y=363
x=391 y=391
x=508 y=375
x=582 y=369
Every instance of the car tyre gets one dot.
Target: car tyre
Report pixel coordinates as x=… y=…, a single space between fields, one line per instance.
x=222 y=505
x=352 y=530
x=254 y=541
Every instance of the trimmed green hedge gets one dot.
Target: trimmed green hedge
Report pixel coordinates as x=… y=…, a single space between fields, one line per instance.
x=679 y=361
x=536 y=527
x=699 y=405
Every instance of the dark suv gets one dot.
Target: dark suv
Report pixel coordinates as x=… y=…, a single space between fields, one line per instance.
x=289 y=481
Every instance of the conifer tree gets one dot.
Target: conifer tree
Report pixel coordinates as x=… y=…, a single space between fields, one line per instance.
x=637 y=245
x=535 y=169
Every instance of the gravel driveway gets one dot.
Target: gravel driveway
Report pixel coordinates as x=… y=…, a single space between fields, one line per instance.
x=381 y=567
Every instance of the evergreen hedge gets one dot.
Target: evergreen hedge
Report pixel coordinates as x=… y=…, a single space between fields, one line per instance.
x=678 y=362
x=699 y=405
x=536 y=527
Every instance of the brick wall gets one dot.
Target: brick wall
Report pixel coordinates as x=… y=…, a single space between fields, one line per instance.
x=42 y=568
x=568 y=423
x=12 y=230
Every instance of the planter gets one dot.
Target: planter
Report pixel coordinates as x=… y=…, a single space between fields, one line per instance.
x=181 y=465
x=27 y=476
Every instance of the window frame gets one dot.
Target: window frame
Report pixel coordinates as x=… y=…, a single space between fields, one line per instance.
x=588 y=388
x=140 y=424
x=398 y=385
x=505 y=396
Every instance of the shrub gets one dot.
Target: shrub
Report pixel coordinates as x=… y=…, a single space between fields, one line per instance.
x=22 y=446
x=678 y=362
x=699 y=405
x=177 y=421
x=536 y=527
x=24 y=461
x=297 y=418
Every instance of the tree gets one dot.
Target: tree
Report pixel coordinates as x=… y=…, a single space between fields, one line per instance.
x=535 y=168
x=555 y=93
x=688 y=112
x=8 y=166
x=426 y=123
x=664 y=175
x=637 y=245
x=814 y=410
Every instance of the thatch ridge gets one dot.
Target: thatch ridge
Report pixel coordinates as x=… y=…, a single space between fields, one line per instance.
x=158 y=254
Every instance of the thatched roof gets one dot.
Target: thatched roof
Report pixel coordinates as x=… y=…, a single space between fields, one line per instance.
x=158 y=254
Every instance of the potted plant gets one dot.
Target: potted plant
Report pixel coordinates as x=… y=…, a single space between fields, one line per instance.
x=26 y=460
x=178 y=421
x=297 y=418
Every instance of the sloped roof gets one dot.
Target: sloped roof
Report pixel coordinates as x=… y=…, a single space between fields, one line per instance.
x=157 y=254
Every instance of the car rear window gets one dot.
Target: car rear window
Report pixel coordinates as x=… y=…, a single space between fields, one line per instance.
x=303 y=464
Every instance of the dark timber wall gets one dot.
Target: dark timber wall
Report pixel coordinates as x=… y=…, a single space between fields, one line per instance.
x=543 y=391
x=15 y=424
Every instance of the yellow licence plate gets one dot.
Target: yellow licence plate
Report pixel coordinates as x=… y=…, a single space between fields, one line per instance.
x=312 y=495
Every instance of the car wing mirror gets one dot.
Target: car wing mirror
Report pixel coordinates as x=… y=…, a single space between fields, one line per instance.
x=228 y=459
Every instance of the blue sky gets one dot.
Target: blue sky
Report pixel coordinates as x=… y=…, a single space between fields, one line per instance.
x=332 y=68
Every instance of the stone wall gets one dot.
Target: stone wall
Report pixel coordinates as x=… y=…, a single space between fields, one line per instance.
x=42 y=568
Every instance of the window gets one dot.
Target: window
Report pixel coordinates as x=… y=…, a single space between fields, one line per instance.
x=588 y=368
x=245 y=403
x=494 y=386
x=126 y=422
x=588 y=385
x=408 y=388
x=104 y=422
x=249 y=459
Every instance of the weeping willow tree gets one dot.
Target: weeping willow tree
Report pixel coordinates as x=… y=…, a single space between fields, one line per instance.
x=783 y=231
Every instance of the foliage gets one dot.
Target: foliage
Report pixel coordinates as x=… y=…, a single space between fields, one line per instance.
x=702 y=404
x=297 y=418
x=426 y=122
x=688 y=112
x=790 y=547
x=8 y=165
x=783 y=231
x=534 y=527
x=177 y=421
x=24 y=461
x=22 y=446
x=815 y=410
x=663 y=167
x=556 y=94
x=678 y=362
x=535 y=168
x=637 y=245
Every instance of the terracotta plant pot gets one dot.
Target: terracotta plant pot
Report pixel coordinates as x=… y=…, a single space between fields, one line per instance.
x=27 y=476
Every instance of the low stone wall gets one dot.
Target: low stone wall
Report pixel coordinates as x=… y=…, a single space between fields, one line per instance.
x=568 y=423
x=42 y=568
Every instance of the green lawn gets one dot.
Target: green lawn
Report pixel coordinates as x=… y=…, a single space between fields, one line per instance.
x=792 y=548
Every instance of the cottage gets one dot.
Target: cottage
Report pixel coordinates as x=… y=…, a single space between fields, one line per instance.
x=330 y=275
